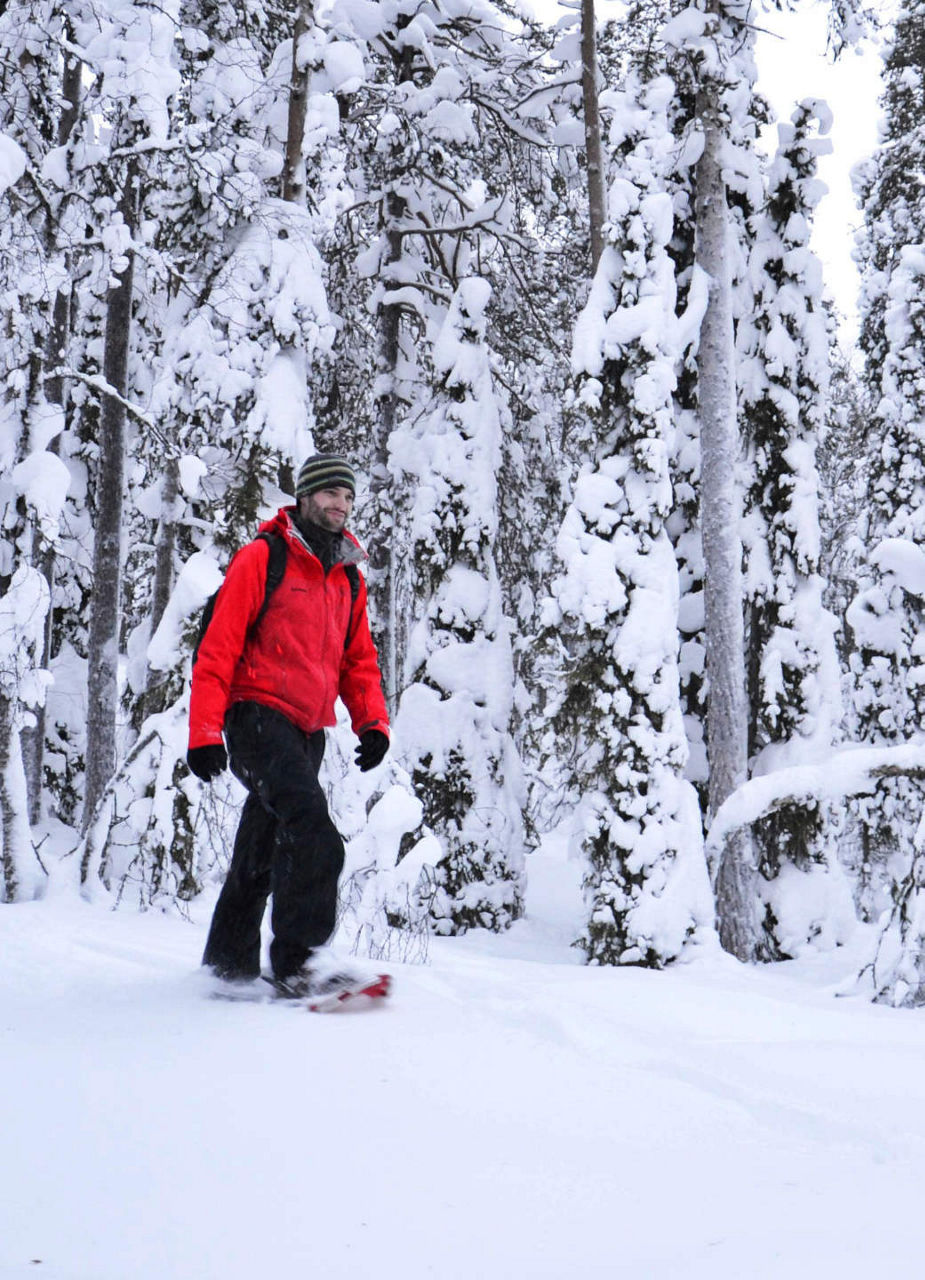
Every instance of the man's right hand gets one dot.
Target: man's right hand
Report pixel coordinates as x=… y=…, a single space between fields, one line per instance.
x=207 y=762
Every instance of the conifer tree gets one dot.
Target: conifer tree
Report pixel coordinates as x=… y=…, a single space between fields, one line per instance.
x=617 y=599
x=131 y=99
x=842 y=491
x=244 y=320
x=885 y=618
x=435 y=147
x=793 y=674
x=453 y=725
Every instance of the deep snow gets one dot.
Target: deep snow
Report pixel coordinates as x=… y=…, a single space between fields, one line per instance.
x=510 y=1114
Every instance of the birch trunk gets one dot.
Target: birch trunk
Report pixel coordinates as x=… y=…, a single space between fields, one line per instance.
x=720 y=510
x=592 y=115
x=103 y=651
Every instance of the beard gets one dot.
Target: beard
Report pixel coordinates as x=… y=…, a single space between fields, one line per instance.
x=325 y=520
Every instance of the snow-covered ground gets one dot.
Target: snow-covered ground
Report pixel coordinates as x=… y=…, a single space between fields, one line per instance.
x=510 y=1114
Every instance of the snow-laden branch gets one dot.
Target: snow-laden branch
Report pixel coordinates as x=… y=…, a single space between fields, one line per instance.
x=514 y=126
x=852 y=772
x=12 y=161
x=478 y=220
x=99 y=383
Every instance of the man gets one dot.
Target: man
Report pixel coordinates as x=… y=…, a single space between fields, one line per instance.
x=270 y=683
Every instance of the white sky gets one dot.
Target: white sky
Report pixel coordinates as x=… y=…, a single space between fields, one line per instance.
x=793 y=64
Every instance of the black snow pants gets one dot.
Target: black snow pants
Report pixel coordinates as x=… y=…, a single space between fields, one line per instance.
x=286 y=845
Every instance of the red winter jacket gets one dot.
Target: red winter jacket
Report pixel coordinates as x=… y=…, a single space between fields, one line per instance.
x=295 y=660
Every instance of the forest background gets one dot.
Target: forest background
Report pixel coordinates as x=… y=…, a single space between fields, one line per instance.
x=645 y=544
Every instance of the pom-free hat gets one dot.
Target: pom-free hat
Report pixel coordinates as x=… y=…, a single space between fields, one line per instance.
x=325 y=471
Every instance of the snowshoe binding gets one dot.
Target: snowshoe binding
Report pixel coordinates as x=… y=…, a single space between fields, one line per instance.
x=326 y=992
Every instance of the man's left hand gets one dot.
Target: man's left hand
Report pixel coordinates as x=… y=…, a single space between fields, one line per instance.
x=371 y=751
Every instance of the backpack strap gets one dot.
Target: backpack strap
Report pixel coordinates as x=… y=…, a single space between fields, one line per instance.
x=353 y=577
x=276 y=568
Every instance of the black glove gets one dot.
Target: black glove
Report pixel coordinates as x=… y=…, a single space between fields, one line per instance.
x=207 y=762
x=371 y=751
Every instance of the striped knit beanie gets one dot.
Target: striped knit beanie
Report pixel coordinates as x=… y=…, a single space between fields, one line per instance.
x=324 y=471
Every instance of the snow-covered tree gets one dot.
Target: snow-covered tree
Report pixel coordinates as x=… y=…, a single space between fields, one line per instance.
x=33 y=481
x=617 y=598
x=52 y=313
x=131 y=56
x=897 y=969
x=560 y=440
x=434 y=150
x=843 y=488
x=886 y=621
x=232 y=410
x=716 y=36
x=23 y=607
x=453 y=726
x=25 y=492
x=794 y=691
x=683 y=522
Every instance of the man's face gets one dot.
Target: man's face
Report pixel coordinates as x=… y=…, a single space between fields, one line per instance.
x=329 y=508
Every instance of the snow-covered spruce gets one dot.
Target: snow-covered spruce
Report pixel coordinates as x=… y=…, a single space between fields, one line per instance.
x=885 y=619
x=440 y=153
x=453 y=726
x=131 y=103
x=802 y=897
x=146 y=251
x=793 y=674
x=616 y=600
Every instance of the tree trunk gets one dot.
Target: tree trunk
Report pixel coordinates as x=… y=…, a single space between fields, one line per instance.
x=43 y=557
x=103 y=654
x=720 y=503
x=16 y=848
x=593 y=149
x=382 y=583
x=9 y=819
x=381 y=577
x=33 y=739
x=156 y=696
x=294 y=166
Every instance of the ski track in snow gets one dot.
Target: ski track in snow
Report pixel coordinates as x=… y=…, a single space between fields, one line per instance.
x=510 y=1114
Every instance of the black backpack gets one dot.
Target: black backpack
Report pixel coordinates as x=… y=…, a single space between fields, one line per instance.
x=276 y=567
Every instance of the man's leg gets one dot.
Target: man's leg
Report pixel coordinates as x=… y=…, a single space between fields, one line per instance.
x=279 y=764
x=233 y=945
x=308 y=860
